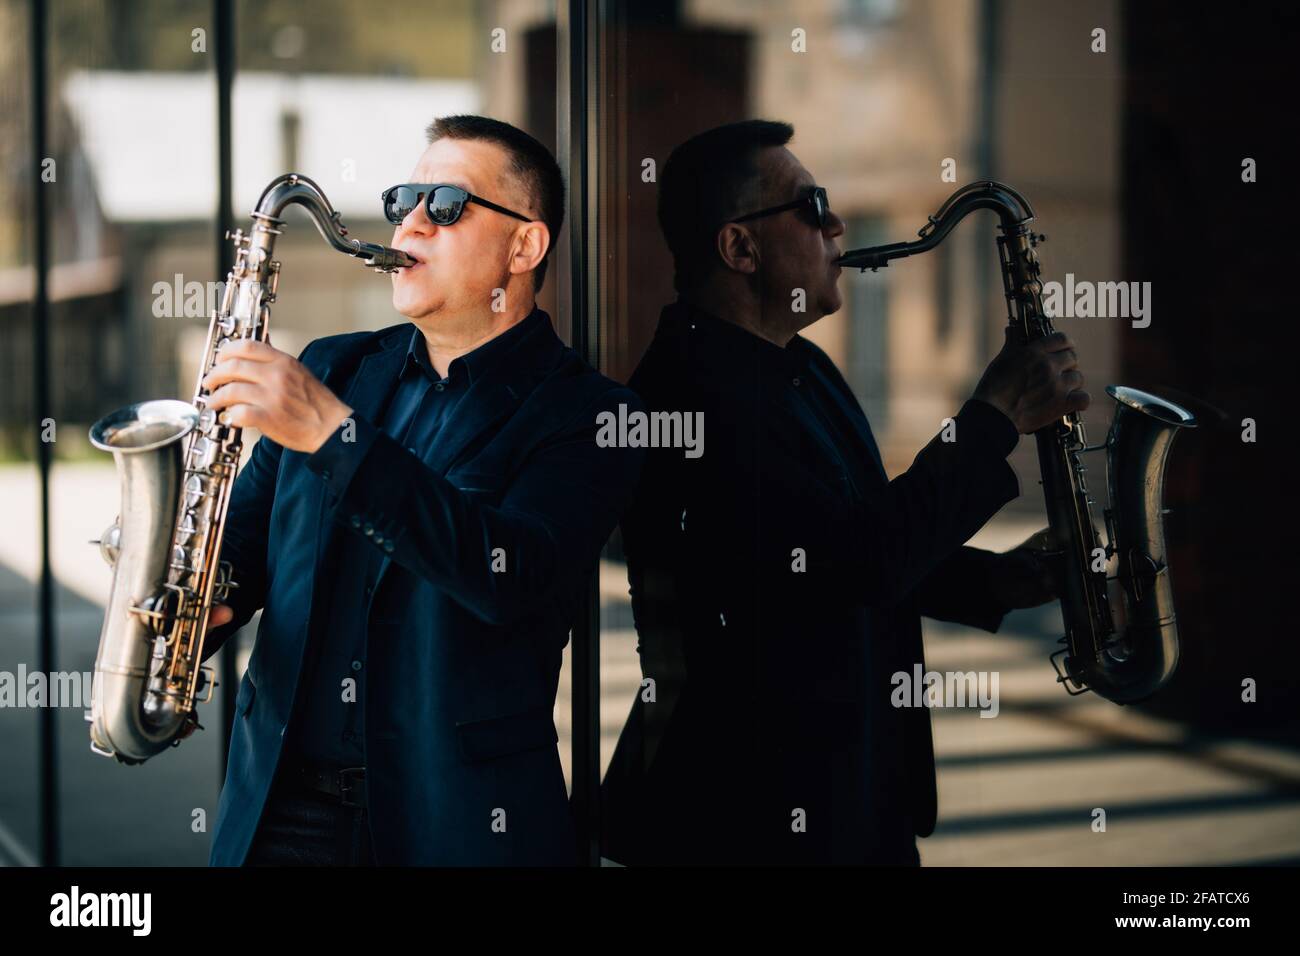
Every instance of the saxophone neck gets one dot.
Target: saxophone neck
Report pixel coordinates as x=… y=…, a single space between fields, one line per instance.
x=1012 y=208
x=296 y=189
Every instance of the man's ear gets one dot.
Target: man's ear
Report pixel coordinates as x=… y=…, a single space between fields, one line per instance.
x=530 y=244
x=738 y=248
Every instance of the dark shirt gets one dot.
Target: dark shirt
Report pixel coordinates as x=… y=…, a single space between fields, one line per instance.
x=327 y=724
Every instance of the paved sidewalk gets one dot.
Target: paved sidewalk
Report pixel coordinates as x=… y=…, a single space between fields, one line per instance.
x=1019 y=789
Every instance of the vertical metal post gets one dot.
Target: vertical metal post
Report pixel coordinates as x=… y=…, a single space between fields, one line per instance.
x=573 y=36
x=48 y=806
x=224 y=43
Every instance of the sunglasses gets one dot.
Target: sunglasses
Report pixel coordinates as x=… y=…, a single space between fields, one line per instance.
x=816 y=199
x=443 y=203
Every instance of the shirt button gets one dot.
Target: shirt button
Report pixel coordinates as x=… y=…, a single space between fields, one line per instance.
x=356 y=665
x=388 y=547
x=438 y=386
x=379 y=539
x=325 y=473
x=795 y=382
x=369 y=529
x=356 y=521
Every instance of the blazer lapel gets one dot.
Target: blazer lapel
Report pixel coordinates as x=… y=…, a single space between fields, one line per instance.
x=493 y=396
x=371 y=387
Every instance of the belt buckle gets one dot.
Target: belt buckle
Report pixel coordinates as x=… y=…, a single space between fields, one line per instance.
x=352 y=780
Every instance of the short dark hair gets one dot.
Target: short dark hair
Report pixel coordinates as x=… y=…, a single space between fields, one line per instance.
x=702 y=186
x=530 y=161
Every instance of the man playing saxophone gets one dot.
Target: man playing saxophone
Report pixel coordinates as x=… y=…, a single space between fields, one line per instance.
x=778 y=580
x=416 y=523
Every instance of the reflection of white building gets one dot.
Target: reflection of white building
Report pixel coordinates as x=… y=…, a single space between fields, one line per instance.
x=353 y=135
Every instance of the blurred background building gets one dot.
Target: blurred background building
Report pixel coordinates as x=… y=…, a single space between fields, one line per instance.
x=1129 y=153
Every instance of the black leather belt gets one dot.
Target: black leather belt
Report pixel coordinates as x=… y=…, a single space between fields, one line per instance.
x=346 y=784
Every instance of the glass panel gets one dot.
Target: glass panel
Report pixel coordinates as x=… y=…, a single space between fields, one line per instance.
x=894 y=103
x=19 y=490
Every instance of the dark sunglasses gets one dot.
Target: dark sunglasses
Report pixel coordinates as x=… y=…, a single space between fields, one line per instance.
x=816 y=199
x=443 y=203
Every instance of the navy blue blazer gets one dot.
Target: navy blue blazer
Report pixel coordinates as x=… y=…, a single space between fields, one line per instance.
x=463 y=660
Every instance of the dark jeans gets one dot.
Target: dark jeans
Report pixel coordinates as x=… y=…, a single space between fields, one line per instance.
x=300 y=827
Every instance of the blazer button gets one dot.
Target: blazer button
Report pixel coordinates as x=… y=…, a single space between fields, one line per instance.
x=369 y=529
x=388 y=547
x=356 y=521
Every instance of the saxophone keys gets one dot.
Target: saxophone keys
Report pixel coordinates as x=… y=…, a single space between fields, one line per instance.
x=204 y=450
x=188 y=527
x=225 y=582
x=194 y=491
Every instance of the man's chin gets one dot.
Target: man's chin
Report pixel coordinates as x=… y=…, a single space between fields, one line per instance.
x=414 y=309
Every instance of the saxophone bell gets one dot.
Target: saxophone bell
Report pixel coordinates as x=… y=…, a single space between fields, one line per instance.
x=146 y=440
x=1142 y=654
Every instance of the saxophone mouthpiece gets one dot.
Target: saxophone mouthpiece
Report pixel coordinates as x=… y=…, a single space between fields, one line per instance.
x=382 y=258
x=875 y=257
x=861 y=259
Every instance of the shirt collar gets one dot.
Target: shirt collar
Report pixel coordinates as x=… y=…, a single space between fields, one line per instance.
x=471 y=364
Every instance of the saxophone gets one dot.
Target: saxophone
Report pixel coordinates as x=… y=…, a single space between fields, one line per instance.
x=176 y=464
x=1123 y=646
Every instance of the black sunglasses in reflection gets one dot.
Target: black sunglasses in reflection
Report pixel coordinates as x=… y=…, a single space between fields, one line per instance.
x=443 y=202
x=816 y=199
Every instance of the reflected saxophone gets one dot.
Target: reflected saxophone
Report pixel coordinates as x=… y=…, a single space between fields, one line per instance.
x=176 y=464
x=1120 y=641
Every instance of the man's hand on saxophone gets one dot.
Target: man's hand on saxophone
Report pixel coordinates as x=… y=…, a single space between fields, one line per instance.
x=221 y=614
x=261 y=387
x=1034 y=384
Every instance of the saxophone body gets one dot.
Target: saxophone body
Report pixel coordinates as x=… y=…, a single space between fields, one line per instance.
x=176 y=465
x=1121 y=635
